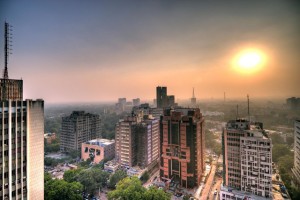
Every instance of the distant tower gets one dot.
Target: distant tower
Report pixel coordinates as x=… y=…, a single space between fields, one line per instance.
x=193 y=99
x=161 y=97
x=224 y=97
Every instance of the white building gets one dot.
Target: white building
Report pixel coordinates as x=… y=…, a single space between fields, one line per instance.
x=247 y=152
x=296 y=168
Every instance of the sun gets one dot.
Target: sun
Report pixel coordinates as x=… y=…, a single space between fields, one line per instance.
x=249 y=61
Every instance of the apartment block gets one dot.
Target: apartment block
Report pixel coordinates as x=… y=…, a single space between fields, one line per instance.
x=98 y=149
x=78 y=128
x=137 y=141
x=247 y=163
x=22 y=149
x=296 y=168
x=182 y=146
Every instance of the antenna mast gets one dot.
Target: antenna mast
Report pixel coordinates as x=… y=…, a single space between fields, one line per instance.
x=193 y=93
x=248 y=107
x=7 y=49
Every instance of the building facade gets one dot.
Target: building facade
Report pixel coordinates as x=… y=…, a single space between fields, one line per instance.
x=182 y=146
x=22 y=149
x=137 y=141
x=247 y=164
x=98 y=149
x=78 y=128
x=296 y=168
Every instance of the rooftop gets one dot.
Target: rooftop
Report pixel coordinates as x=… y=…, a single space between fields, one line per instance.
x=100 y=142
x=242 y=194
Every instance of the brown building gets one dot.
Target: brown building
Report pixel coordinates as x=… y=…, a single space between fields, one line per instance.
x=78 y=128
x=182 y=146
x=98 y=149
x=137 y=141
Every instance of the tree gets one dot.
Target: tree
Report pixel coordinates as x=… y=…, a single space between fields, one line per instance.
x=155 y=194
x=92 y=179
x=131 y=188
x=115 y=178
x=128 y=188
x=72 y=175
x=145 y=176
x=59 y=189
x=279 y=150
x=50 y=161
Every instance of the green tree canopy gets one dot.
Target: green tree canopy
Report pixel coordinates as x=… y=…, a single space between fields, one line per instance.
x=59 y=189
x=92 y=179
x=72 y=175
x=115 y=178
x=131 y=188
x=280 y=150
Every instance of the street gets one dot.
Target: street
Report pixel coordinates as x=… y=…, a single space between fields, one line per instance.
x=208 y=185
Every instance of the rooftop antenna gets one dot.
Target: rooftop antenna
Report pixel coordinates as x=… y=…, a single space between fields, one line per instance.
x=193 y=93
x=248 y=107
x=237 y=111
x=7 y=47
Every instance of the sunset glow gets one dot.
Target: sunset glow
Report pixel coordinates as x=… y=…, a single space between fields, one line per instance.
x=249 y=61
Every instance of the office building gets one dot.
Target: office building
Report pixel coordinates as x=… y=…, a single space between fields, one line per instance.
x=78 y=128
x=137 y=141
x=296 y=168
x=247 y=163
x=182 y=146
x=293 y=103
x=98 y=149
x=161 y=97
x=21 y=141
x=136 y=102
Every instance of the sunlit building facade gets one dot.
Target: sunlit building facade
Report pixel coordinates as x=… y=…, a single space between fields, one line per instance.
x=182 y=146
x=247 y=163
x=21 y=145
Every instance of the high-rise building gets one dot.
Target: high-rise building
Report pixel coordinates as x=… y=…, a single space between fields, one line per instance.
x=296 y=168
x=182 y=146
x=21 y=141
x=161 y=97
x=78 y=128
x=137 y=141
x=136 y=102
x=247 y=163
x=293 y=103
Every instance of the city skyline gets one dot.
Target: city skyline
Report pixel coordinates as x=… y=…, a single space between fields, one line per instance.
x=98 y=51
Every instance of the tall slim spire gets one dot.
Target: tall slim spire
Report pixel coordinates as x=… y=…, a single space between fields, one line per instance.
x=7 y=49
x=193 y=93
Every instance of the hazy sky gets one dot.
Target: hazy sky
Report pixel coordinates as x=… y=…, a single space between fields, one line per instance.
x=74 y=51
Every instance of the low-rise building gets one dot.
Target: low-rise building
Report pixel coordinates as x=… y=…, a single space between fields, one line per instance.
x=98 y=149
x=49 y=137
x=228 y=193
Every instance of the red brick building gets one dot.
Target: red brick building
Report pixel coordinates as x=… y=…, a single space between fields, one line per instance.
x=182 y=146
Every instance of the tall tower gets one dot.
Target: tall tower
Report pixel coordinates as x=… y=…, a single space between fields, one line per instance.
x=161 y=97
x=193 y=99
x=9 y=88
x=182 y=146
x=22 y=139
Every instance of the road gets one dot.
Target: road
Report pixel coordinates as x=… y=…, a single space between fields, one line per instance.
x=217 y=187
x=209 y=182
